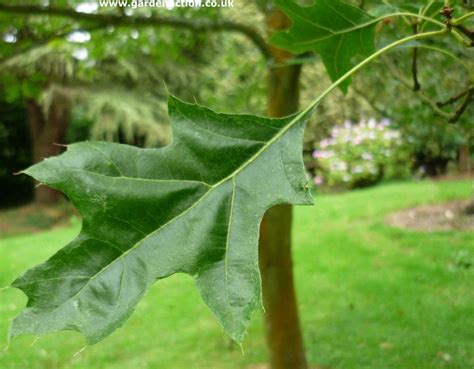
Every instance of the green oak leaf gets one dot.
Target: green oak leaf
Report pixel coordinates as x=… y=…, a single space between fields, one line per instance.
x=193 y=207
x=334 y=29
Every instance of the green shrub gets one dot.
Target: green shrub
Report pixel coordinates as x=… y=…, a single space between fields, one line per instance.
x=362 y=154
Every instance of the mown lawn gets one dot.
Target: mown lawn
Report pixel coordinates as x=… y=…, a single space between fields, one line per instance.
x=371 y=296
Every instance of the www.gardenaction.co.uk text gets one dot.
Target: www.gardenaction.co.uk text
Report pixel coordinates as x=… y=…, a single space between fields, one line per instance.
x=168 y=4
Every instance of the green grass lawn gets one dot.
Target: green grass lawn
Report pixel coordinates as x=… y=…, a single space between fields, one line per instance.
x=371 y=296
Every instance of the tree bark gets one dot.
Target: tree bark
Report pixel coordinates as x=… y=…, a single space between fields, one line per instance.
x=283 y=333
x=47 y=132
x=464 y=163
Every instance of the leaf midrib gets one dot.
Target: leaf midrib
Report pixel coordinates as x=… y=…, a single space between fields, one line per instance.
x=226 y=273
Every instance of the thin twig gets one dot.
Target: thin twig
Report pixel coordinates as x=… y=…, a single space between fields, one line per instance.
x=466 y=32
x=453 y=99
x=463 y=18
x=450 y=117
x=414 y=63
x=424 y=98
x=45 y=40
x=469 y=98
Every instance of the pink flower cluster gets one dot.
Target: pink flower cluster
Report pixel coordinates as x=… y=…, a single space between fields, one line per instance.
x=355 y=150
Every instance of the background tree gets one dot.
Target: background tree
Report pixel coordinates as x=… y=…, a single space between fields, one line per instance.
x=52 y=77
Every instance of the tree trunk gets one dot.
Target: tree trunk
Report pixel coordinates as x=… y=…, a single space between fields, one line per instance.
x=47 y=132
x=464 y=163
x=283 y=333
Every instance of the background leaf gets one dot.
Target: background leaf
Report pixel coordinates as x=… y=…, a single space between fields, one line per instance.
x=193 y=207
x=336 y=30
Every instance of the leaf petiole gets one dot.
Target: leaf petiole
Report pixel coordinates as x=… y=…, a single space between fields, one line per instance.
x=462 y=19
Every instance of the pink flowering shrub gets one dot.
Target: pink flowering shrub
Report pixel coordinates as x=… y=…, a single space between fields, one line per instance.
x=362 y=154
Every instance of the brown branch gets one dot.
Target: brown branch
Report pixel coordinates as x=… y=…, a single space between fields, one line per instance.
x=414 y=63
x=141 y=21
x=396 y=74
x=469 y=98
x=43 y=41
x=453 y=99
x=450 y=117
x=467 y=32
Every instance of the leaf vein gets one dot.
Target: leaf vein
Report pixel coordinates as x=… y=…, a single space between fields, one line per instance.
x=226 y=257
